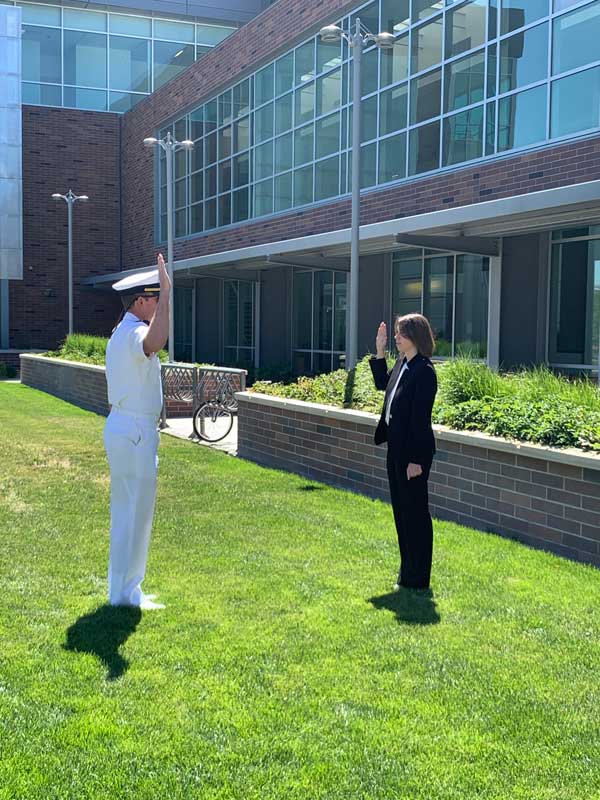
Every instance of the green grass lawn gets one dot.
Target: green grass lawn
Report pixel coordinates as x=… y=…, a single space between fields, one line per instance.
x=283 y=666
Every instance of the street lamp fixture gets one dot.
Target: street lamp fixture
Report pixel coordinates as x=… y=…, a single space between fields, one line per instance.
x=170 y=146
x=70 y=199
x=357 y=41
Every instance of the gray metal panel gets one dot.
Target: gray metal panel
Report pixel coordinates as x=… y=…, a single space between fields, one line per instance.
x=209 y=311
x=11 y=183
x=374 y=301
x=276 y=287
x=519 y=304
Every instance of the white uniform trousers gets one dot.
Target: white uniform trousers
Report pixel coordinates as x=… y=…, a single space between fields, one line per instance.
x=131 y=443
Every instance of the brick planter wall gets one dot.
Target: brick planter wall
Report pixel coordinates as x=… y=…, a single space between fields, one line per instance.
x=542 y=496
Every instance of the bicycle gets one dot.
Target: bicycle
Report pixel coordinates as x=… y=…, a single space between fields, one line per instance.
x=213 y=419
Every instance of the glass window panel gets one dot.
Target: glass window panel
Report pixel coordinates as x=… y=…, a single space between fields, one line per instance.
x=84 y=59
x=392 y=158
x=368 y=165
x=576 y=38
x=305 y=103
x=263 y=160
x=122 y=101
x=212 y=34
x=327 y=132
x=471 y=317
x=370 y=71
x=437 y=300
x=427 y=45
x=283 y=152
x=407 y=283
x=180 y=131
x=303 y=145
x=210 y=116
x=210 y=214
x=84 y=20
x=41 y=55
x=163 y=227
x=224 y=209
x=263 y=123
x=305 y=62
x=575 y=103
x=197 y=123
x=197 y=218
x=490 y=129
x=202 y=51
x=329 y=92
x=38 y=14
x=246 y=314
x=327 y=178
x=263 y=85
x=241 y=99
x=303 y=186
x=263 y=198
x=369 y=119
x=323 y=310
x=175 y=31
x=493 y=19
x=394 y=62
x=284 y=73
x=40 y=94
x=465 y=27
x=424 y=148
x=283 y=192
x=426 y=93
x=210 y=148
x=180 y=194
x=523 y=58
x=241 y=205
x=224 y=176
x=284 y=112
x=321 y=363
x=573 y=233
x=129 y=64
x=343 y=175
x=465 y=80
x=463 y=137
x=369 y=17
x=302 y=301
x=210 y=181
x=425 y=8
x=196 y=187
x=517 y=13
x=181 y=222
x=224 y=138
x=130 y=25
x=393 y=105
x=395 y=15
x=170 y=59
x=339 y=313
x=329 y=55
x=241 y=131
x=241 y=170
x=225 y=114
x=522 y=119
x=492 y=70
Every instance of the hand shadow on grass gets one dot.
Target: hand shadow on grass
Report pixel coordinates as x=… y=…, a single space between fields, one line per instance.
x=410 y=607
x=102 y=633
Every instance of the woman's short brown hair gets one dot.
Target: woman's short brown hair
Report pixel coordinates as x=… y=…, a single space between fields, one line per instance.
x=416 y=327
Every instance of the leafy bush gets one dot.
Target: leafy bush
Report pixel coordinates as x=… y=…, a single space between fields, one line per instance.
x=6 y=371
x=87 y=349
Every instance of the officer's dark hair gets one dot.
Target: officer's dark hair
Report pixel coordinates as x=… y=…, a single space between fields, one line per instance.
x=416 y=327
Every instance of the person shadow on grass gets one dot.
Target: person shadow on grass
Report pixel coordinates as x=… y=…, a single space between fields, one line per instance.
x=102 y=633
x=411 y=607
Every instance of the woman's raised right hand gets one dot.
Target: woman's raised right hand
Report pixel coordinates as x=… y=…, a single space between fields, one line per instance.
x=381 y=340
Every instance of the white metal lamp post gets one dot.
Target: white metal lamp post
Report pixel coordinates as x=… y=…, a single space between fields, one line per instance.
x=70 y=199
x=357 y=40
x=170 y=146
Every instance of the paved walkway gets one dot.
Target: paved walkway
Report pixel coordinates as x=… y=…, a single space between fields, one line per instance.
x=182 y=428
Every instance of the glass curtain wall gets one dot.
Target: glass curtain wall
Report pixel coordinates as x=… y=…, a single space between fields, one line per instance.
x=319 y=321
x=238 y=322
x=464 y=81
x=182 y=300
x=451 y=291
x=83 y=58
x=574 y=313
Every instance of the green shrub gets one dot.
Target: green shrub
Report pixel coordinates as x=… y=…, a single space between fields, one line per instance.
x=6 y=371
x=87 y=349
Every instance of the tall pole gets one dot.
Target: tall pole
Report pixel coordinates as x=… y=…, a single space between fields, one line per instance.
x=169 y=154
x=352 y=339
x=70 y=201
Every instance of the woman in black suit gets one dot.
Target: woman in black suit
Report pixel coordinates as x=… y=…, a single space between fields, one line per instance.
x=405 y=424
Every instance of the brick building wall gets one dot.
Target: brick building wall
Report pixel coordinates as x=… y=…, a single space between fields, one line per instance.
x=545 y=498
x=65 y=149
x=260 y=41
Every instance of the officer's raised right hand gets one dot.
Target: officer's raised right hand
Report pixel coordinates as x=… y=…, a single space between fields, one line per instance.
x=163 y=275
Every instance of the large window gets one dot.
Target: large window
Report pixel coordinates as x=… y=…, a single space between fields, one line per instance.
x=92 y=59
x=319 y=321
x=574 y=324
x=238 y=322
x=451 y=291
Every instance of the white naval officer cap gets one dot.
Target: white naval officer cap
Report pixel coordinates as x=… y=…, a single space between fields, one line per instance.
x=142 y=284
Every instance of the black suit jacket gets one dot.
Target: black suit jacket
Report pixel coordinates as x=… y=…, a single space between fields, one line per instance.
x=409 y=434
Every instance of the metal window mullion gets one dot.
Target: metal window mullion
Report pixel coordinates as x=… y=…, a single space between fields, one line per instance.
x=455 y=262
x=422 y=280
x=549 y=77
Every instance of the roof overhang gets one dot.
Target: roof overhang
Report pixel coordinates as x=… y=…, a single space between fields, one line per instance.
x=466 y=227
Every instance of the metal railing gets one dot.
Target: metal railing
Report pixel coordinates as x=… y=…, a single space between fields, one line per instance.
x=188 y=383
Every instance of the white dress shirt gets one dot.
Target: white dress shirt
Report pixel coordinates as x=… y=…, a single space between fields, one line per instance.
x=133 y=378
x=392 y=394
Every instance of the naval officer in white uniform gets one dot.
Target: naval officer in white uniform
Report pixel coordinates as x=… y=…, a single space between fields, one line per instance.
x=131 y=431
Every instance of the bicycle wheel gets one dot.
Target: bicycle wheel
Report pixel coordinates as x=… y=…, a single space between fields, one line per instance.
x=212 y=422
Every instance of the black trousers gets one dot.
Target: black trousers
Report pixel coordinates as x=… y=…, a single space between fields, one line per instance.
x=410 y=502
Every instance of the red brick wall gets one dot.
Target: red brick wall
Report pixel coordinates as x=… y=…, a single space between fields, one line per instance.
x=259 y=41
x=65 y=149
